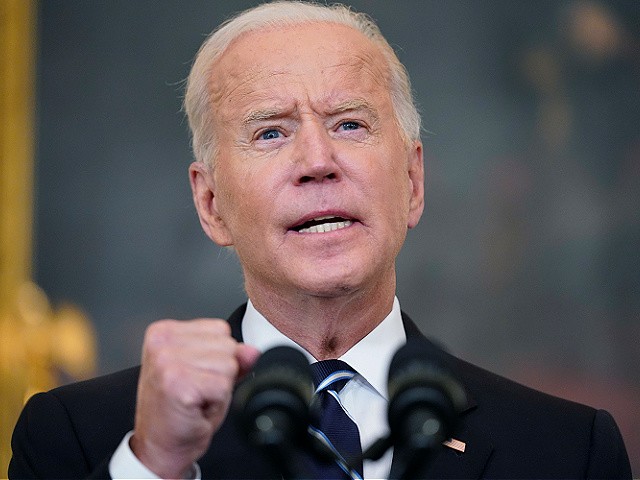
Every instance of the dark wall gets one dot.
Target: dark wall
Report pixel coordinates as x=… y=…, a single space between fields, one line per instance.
x=526 y=260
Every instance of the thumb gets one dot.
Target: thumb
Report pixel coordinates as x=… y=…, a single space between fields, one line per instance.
x=247 y=356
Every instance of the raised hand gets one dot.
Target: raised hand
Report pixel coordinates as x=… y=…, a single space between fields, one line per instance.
x=189 y=369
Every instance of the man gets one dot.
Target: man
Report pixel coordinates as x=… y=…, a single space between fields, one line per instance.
x=309 y=164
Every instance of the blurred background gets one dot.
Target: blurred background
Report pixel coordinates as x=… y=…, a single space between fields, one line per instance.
x=526 y=261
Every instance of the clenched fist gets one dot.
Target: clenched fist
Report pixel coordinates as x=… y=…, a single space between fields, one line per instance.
x=189 y=369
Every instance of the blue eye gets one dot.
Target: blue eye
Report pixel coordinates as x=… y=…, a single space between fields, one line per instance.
x=269 y=135
x=350 y=125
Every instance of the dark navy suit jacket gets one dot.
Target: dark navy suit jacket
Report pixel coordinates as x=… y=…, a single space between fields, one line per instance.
x=510 y=431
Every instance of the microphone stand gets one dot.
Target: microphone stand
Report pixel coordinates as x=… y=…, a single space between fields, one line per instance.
x=281 y=452
x=414 y=448
x=408 y=464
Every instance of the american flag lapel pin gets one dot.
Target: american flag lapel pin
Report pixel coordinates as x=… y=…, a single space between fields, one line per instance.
x=455 y=444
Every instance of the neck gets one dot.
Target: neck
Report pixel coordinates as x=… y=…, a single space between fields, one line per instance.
x=325 y=326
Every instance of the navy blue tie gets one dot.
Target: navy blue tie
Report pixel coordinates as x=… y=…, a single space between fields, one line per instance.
x=332 y=425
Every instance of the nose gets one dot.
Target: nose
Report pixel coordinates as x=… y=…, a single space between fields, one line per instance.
x=315 y=155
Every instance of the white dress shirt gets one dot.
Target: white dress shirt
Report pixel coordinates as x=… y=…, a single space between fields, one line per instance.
x=365 y=397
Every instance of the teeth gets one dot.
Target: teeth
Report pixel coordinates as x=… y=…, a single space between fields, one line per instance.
x=326 y=227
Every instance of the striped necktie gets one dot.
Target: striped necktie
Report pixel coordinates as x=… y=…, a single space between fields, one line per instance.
x=332 y=425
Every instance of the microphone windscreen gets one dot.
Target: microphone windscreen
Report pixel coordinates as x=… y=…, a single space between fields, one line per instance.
x=272 y=403
x=418 y=351
x=280 y=360
x=422 y=386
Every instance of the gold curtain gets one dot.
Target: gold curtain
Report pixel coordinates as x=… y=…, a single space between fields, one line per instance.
x=39 y=345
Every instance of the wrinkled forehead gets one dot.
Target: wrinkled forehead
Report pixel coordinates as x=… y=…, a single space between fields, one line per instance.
x=311 y=55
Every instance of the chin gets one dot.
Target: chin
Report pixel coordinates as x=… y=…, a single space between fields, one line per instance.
x=332 y=291
x=331 y=284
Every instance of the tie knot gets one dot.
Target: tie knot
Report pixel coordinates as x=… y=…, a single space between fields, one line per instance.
x=331 y=374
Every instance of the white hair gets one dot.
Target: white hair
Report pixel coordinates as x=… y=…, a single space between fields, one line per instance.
x=198 y=96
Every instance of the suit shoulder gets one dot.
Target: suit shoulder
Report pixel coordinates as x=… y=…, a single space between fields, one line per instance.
x=113 y=384
x=108 y=393
x=69 y=431
x=507 y=395
x=549 y=436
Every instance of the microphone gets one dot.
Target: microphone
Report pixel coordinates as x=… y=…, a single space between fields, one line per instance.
x=272 y=406
x=424 y=402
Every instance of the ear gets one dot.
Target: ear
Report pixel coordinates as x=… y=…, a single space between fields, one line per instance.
x=203 y=188
x=416 y=180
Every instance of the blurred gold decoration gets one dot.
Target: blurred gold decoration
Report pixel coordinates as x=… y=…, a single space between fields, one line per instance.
x=39 y=346
x=542 y=69
x=594 y=31
x=52 y=343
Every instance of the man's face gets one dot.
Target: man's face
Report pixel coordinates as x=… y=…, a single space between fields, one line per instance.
x=313 y=183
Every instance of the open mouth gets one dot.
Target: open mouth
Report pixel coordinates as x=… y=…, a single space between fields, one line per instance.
x=328 y=223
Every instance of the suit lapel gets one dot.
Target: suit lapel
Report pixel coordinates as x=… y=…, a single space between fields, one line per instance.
x=235 y=321
x=449 y=463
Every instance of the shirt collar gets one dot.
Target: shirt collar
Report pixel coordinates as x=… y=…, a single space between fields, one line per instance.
x=370 y=357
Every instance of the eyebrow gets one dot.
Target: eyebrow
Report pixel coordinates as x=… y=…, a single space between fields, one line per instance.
x=354 y=104
x=264 y=114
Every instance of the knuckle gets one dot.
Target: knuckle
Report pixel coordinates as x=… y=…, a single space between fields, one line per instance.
x=227 y=367
x=165 y=360
x=189 y=396
x=172 y=380
x=159 y=333
x=221 y=327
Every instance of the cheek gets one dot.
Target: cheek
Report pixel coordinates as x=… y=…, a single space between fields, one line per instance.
x=231 y=202
x=398 y=187
x=247 y=205
x=399 y=205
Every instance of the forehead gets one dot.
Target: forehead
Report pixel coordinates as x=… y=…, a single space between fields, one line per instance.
x=324 y=63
